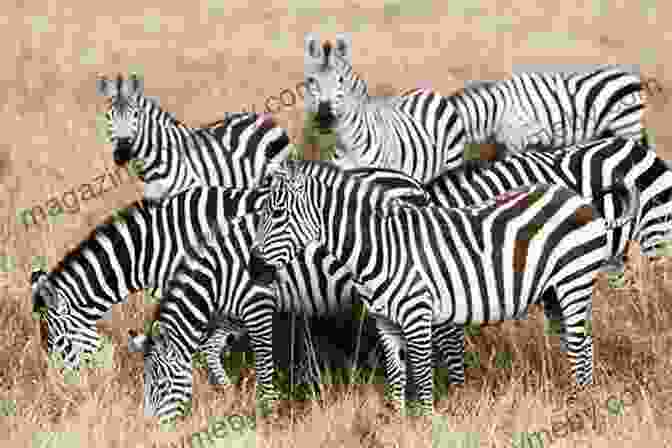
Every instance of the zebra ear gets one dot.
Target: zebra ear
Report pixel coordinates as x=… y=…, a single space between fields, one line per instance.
x=136 y=84
x=312 y=48
x=105 y=87
x=343 y=47
x=137 y=342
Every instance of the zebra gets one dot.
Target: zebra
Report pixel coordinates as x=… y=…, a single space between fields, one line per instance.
x=517 y=247
x=139 y=248
x=418 y=133
x=231 y=152
x=546 y=111
x=591 y=169
x=142 y=251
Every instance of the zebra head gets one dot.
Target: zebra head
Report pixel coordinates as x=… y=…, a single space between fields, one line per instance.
x=68 y=332
x=167 y=373
x=123 y=113
x=288 y=223
x=332 y=89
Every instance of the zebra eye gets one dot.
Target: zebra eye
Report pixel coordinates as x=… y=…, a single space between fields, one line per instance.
x=277 y=213
x=340 y=79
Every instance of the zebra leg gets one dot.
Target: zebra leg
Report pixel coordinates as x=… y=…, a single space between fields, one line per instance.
x=306 y=365
x=259 y=324
x=448 y=344
x=219 y=343
x=418 y=338
x=553 y=313
x=392 y=342
x=576 y=305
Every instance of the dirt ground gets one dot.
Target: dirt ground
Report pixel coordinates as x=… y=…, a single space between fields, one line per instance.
x=204 y=58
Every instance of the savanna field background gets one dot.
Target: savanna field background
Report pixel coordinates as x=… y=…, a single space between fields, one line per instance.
x=204 y=58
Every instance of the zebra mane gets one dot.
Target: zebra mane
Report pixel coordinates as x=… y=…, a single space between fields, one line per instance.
x=155 y=103
x=473 y=86
x=326 y=172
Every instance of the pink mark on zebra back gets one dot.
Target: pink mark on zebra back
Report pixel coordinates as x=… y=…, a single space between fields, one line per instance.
x=508 y=196
x=265 y=120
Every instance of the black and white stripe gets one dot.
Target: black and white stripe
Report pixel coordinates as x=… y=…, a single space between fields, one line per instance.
x=552 y=110
x=425 y=264
x=591 y=169
x=418 y=133
x=139 y=251
x=231 y=152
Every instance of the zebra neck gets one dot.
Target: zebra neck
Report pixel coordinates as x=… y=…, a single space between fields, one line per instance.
x=361 y=136
x=165 y=131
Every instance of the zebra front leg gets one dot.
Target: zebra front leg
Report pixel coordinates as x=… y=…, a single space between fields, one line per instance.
x=392 y=342
x=418 y=336
x=259 y=324
x=448 y=350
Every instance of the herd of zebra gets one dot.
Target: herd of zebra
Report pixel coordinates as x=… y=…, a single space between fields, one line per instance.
x=233 y=231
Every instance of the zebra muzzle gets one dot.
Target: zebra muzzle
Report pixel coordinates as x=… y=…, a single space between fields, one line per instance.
x=122 y=152
x=324 y=118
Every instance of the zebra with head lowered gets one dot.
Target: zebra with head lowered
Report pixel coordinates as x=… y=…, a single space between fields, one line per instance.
x=428 y=264
x=418 y=133
x=137 y=249
x=231 y=152
x=546 y=111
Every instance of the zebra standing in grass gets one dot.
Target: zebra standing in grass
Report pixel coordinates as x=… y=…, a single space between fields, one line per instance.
x=592 y=169
x=418 y=133
x=232 y=152
x=428 y=264
x=552 y=110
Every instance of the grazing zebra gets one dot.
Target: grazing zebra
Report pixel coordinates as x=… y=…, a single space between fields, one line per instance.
x=418 y=133
x=552 y=110
x=591 y=169
x=428 y=264
x=232 y=152
x=142 y=251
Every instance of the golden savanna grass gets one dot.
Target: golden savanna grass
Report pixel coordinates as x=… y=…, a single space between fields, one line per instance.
x=207 y=58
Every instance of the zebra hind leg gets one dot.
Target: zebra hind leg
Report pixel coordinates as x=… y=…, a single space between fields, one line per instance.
x=219 y=342
x=576 y=329
x=392 y=343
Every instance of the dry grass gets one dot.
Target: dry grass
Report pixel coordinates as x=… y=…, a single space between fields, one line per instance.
x=190 y=63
